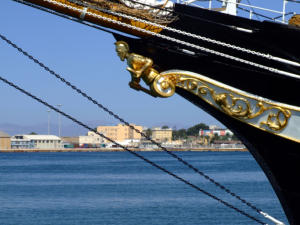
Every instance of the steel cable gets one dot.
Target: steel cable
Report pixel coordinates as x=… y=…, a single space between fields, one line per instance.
x=199 y=37
x=181 y=42
x=210 y=51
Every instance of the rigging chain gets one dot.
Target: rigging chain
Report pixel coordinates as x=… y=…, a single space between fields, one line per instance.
x=271 y=69
x=202 y=38
x=131 y=152
x=79 y=91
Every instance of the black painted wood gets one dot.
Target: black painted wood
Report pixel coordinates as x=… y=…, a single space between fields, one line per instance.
x=278 y=157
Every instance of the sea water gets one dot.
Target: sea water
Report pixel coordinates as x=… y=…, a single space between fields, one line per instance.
x=115 y=188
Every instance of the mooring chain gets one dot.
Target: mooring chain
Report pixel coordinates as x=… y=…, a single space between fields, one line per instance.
x=129 y=125
x=131 y=152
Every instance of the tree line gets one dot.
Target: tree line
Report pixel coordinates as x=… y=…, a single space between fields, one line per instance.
x=184 y=133
x=191 y=131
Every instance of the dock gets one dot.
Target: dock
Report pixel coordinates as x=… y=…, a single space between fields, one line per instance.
x=122 y=150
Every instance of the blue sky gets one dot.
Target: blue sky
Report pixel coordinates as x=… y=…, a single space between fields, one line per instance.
x=84 y=56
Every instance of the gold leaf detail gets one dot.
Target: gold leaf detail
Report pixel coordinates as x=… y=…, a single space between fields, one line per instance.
x=235 y=106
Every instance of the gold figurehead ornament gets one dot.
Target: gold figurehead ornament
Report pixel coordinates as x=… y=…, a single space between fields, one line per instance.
x=260 y=113
x=140 y=67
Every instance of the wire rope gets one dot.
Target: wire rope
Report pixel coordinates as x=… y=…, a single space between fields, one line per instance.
x=181 y=42
x=267 y=56
x=195 y=36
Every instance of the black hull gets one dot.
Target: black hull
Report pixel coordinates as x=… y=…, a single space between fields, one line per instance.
x=267 y=37
x=278 y=157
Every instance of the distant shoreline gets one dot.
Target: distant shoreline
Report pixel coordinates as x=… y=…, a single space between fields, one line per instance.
x=121 y=150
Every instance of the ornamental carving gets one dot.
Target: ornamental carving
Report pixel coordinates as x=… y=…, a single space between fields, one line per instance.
x=140 y=67
x=236 y=104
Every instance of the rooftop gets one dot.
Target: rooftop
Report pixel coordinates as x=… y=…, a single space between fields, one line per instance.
x=39 y=137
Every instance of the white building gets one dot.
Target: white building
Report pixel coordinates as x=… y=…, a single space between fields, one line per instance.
x=214 y=127
x=127 y=142
x=91 y=139
x=219 y=132
x=35 y=142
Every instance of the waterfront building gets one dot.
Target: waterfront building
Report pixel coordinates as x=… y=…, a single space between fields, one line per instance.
x=35 y=142
x=220 y=132
x=21 y=142
x=173 y=144
x=228 y=144
x=91 y=139
x=131 y=143
x=214 y=127
x=4 y=141
x=120 y=132
x=162 y=134
x=70 y=142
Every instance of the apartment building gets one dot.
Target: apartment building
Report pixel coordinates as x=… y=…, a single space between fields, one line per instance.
x=162 y=134
x=120 y=132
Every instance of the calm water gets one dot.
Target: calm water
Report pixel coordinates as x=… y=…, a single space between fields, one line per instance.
x=116 y=188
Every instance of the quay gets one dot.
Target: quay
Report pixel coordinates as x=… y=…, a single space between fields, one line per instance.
x=209 y=149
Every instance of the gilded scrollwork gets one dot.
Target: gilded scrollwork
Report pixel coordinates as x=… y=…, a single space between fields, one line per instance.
x=234 y=104
x=277 y=120
x=164 y=86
